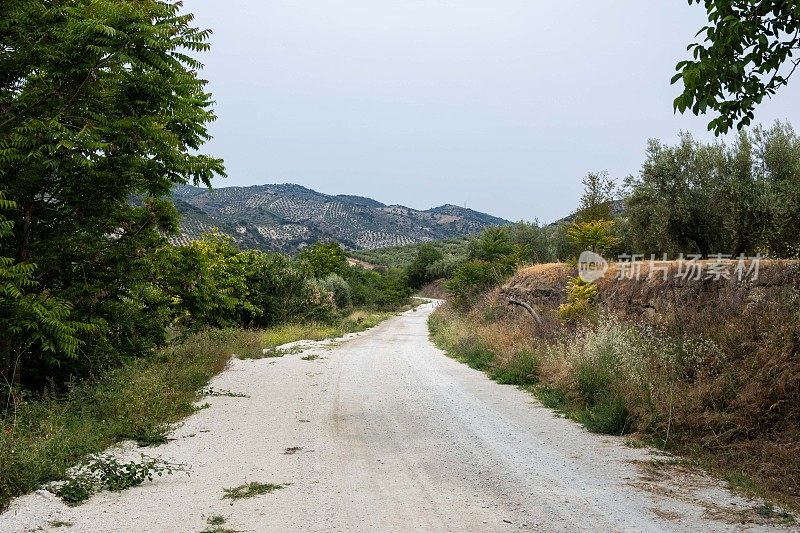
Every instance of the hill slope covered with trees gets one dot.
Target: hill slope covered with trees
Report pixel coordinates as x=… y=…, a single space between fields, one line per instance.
x=288 y=217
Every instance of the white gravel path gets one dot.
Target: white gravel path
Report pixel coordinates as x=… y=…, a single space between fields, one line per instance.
x=395 y=436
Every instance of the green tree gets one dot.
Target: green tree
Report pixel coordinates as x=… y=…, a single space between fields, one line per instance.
x=493 y=245
x=321 y=259
x=280 y=291
x=208 y=284
x=492 y=257
x=417 y=271
x=339 y=288
x=444 y=267
x=593 y=226
x=473 y=278
x=746 y=55
x=32 y=319
x=594 y=235
x=741 y=198
x=563 y=248
x=597 y=200
x=533 y=242
x=673 y=206
x=776 y=155
x=100 y=104
x=718 y=198
x=371 y=288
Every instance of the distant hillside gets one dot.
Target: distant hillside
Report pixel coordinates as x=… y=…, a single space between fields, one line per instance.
x=289 y=217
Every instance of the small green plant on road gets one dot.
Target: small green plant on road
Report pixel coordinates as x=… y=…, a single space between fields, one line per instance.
x=216 y=524
x=106 y=472
x=251 y=490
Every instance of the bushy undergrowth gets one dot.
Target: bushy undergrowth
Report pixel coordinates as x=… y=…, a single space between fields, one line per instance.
x=712 y=395
x=339 y=288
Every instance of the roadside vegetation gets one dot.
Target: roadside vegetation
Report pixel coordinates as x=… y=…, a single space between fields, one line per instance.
x=216 y=524
x=352 y=323
x=132 y=378
x=107 y=331
x=707 y=369
x=250 y=490
x=44 y=435
x=724 y=394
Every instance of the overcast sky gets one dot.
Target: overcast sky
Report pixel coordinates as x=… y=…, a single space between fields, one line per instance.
x=499 y=105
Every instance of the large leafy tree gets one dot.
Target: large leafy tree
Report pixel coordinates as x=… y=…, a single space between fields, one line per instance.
x=674 y=203
x=746 y=55
x=102 y=112
x=36 y=318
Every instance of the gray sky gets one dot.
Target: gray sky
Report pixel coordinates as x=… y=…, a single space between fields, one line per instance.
x=502 y=105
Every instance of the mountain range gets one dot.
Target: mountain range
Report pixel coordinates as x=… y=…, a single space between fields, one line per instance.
x=287 y=217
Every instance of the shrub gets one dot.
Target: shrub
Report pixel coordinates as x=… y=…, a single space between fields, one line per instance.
x=594 y=235
x=521 y=369
x=336 y=285
x=378 y=290
x=105 y=472
x=474 y=277
x=443 y=268
x=417 y=271
x=580 y=295
x=533 y=242
x=608 y=415
x=473 y=352
x=596 y=367
x=322 y=259
x=493 y=245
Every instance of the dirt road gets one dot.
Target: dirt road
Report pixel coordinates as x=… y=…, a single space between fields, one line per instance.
x=383 y=432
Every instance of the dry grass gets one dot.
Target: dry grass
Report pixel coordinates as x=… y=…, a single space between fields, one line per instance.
x=434 y=289
x=707 y=370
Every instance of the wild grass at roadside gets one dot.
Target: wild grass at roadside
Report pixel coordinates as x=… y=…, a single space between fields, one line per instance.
x=355 y=321
x=690 y=395
x=41 y=438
